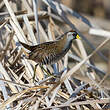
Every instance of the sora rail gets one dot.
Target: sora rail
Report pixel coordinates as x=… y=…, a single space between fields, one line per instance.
x=48 y=53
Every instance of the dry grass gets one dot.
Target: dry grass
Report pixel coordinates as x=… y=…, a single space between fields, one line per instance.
x=79 y=87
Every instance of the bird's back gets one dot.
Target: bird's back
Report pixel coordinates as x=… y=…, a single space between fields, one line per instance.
x=48 y=52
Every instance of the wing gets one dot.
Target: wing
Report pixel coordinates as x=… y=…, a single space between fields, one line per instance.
x=35 y=47
x=44 y=52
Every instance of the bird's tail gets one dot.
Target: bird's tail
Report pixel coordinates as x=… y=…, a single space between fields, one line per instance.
x=26 y=54
x=26 y=45
x=23 y=50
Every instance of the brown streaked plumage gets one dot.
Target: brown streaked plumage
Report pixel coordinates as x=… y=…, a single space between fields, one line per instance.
x=50 y=52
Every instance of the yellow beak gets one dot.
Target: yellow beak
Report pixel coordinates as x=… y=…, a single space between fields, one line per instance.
x=78 y=37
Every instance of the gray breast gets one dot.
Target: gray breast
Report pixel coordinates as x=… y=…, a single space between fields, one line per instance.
x=53 y=58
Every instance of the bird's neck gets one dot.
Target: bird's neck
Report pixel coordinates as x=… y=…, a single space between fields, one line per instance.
x=68 y=45
x=65 y=43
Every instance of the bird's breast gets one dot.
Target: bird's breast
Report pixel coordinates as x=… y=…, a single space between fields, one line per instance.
x=56 y=56
x=52 y=53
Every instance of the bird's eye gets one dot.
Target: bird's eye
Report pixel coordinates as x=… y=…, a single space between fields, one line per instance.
x=74 y=34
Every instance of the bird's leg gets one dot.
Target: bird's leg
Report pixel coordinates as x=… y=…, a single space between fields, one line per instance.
x=59 y=73
x=48 y=73
x=35 y=72
x=55 y=68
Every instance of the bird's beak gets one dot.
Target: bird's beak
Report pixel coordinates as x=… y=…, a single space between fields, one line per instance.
x=78 y=37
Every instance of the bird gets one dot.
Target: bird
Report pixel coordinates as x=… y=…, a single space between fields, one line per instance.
x=51 y=52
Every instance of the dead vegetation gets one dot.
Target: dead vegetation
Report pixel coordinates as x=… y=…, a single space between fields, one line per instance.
x=81 y=86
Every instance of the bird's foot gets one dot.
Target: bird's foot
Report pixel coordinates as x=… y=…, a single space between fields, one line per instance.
x=58 y=74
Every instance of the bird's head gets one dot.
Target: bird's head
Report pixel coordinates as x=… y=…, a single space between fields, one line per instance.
x=72 y=35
